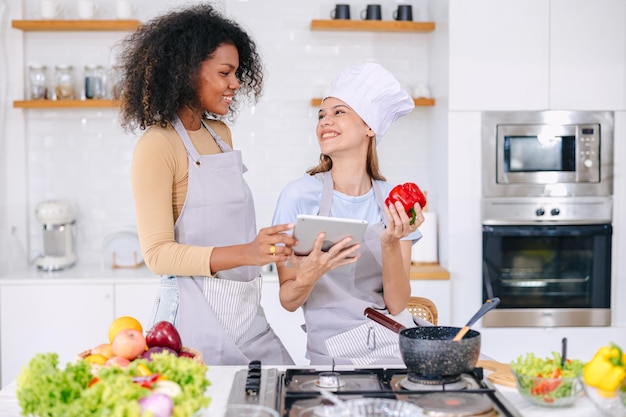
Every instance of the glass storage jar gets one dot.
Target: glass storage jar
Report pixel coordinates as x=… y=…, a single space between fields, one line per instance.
x=38 y=82
x=94 y=82
x=64 y=82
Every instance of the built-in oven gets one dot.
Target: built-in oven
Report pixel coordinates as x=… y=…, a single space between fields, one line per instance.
x=546 y=217
x=548 y=275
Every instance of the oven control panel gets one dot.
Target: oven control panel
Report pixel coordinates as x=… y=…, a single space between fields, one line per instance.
x=588 y=153
x=570 y=210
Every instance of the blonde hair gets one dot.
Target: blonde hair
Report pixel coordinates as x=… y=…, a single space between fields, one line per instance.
x=373 y=170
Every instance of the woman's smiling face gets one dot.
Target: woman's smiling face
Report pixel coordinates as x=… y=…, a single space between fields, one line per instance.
x=340 y=127
x=217 y=80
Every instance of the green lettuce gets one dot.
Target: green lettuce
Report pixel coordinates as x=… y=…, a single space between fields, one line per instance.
x=45 y=390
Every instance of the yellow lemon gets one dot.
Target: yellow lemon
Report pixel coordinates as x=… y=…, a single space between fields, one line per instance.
x=122 y=323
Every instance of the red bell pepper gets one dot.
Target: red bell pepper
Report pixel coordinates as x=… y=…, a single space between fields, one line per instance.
x=408 y=194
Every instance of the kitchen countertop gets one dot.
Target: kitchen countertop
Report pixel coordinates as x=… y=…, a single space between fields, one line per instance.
x=221 y=378
x=104 y=274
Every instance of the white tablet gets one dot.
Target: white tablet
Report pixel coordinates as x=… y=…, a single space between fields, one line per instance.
x=309 y=226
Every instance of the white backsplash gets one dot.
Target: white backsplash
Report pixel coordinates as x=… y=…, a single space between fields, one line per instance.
x=83 y=155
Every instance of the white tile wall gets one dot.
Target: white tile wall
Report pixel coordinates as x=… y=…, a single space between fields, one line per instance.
x=84 y=156
x=4 y=229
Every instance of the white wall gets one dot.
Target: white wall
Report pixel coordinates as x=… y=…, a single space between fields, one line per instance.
x=84 y=156
x=4 y=81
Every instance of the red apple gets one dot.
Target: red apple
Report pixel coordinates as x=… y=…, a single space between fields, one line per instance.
x=164 y=334
x=129 y=344
x=117 y=361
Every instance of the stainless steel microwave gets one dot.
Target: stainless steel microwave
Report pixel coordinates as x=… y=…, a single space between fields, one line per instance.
x=549 y=153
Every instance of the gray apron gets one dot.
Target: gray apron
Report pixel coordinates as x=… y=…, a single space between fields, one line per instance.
x=341 y=296
x=222 y=316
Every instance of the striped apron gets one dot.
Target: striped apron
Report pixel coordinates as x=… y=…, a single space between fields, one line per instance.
x=341 y=296
x=222 y=316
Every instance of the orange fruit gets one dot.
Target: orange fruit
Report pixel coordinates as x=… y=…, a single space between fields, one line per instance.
x=96 y=359
x=123 y=323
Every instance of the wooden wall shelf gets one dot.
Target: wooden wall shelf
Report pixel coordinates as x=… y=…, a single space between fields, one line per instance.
x=373 y=25
x=419 y=102
x=63 y=104
x=75 y=25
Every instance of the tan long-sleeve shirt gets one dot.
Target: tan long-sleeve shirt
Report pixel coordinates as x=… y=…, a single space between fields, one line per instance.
x=159 y=177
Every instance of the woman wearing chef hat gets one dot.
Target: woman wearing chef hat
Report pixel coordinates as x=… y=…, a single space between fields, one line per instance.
x=363 y=102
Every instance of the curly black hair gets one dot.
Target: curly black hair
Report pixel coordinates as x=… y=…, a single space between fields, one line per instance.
x=159 y=65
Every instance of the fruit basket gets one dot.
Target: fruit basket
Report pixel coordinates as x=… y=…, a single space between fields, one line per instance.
x=197 y=355
x=130 y=375
x=189 y=352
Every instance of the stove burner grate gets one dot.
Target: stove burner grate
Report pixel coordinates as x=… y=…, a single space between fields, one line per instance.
x=456 y=404
x=407 y=384
x=424 y=380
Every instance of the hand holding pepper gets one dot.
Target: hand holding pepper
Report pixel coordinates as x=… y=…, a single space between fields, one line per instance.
x=407 y=194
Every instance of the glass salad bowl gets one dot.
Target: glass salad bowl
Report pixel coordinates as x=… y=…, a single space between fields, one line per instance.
x=549 y=392
x=610 y=404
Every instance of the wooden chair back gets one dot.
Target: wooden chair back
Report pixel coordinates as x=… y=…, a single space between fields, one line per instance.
x=423 y=308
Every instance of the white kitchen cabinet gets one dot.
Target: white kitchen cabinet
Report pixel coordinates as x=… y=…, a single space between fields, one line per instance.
x=588 y=54
x=499 y=54
x=38 y=318
x=136 y=300
x=537 y=55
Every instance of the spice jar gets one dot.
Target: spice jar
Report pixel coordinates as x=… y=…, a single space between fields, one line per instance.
x=38 y=82
x=64 y=82
x=94 y=81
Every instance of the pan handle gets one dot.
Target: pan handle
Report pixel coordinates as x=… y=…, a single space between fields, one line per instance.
x=383 y=320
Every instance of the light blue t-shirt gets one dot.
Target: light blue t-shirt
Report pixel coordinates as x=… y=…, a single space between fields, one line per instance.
x=303 y=196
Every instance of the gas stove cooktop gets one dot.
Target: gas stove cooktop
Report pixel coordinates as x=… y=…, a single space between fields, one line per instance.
x=297 y=392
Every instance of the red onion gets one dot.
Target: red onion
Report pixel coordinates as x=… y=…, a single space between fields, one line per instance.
x=159 y=404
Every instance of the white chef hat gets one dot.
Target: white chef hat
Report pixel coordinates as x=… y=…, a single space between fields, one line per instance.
x=374 y=94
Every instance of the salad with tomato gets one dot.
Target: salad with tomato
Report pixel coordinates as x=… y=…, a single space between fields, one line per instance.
x=546 y=381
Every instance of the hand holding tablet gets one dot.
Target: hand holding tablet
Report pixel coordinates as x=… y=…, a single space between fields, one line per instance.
x=308 y=227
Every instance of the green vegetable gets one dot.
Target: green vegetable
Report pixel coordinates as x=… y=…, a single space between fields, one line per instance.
x=45 y=390
x=562 y=380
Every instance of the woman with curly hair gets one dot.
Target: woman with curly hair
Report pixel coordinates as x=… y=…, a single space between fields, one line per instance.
x=181 y=74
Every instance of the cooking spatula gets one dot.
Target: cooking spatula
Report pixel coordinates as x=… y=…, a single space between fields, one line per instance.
x=484 y=309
